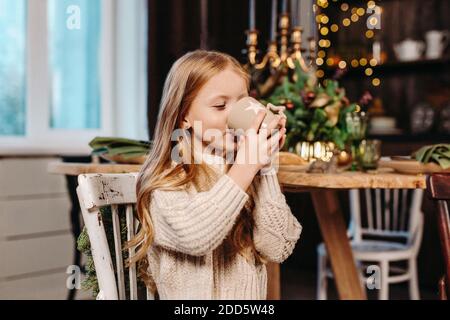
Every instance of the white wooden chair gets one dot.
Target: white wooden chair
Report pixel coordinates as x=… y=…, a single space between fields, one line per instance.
x=390 y=215
x=94 y=192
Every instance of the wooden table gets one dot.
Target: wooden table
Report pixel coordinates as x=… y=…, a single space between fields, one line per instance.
x=323 y=188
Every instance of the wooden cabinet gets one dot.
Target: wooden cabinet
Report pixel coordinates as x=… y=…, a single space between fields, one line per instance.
x=36 y=244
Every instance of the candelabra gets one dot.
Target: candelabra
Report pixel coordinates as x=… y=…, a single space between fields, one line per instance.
x=286 y=53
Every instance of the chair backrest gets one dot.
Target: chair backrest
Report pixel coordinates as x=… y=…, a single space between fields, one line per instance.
x=101 y=190
x=387 y=213
x=438 y=186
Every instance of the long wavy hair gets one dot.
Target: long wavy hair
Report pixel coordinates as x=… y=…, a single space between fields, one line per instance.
x=186 y=77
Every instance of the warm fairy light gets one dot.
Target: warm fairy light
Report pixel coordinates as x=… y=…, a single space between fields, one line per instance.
x=320 y=73
x=368 y=72
x=371 y=4
x=324 y=31
x=319 y=61
x=373 y=21
x=324 y=19
x=360 y=12
x=373 y=62
x=334 y=27
x=344 y=6
x=363 y=61
x=357 y=108
x=346 y=22
x=318 y=18
x=354 y=17
x=327 y=43
x=369 y=34
x=321 y=54
x=330 y=61
x=342 y=64
x=354 y=10
x=322 y=3
x=376 y=82
x=322 y=43
x=354 y=63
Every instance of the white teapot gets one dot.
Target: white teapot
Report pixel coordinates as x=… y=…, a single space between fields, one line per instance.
x=409 y=50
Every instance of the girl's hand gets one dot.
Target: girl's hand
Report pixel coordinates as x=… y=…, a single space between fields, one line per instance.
x=257 y=147
x=280 y=110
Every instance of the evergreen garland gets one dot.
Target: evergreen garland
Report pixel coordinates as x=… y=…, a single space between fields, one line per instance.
x=84 y=246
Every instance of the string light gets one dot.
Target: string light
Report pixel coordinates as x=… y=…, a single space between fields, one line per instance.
x=346 y=22
x=369 y=34
x=369 y=72
x=322 y=3
x=363 y=61
x=376 y=82
x=320 y=73
x=344 y=6
x=324 y=31
x=355 y=63
x=342 y=64
x=371 y=4
x=324 y=19
x=334 y=27
x=354 y=17
x=319 y=61
x=373 y=62
x=373 y=21
x=330 y=61
x=321 y=54
x=360 y=12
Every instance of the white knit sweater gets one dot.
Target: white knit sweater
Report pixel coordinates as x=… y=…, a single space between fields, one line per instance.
x=186 y=259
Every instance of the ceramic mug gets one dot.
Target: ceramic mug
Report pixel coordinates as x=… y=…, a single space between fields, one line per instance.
x=437 y=41
x=244 y=111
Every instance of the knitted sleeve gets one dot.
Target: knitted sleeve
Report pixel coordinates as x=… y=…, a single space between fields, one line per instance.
x=196 y=224
x=276 y=229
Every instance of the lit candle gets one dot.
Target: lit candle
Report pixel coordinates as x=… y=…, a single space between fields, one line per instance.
x=313 y=22
x=252 y=14
x=273 y=24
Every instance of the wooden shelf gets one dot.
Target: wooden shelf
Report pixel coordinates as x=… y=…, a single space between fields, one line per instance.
x=407 y=137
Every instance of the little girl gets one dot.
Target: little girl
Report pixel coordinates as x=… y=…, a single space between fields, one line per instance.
x=208 y=228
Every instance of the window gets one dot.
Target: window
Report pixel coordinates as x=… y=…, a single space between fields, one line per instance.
x=12 y=67
x=74 y=51
x=69 y=71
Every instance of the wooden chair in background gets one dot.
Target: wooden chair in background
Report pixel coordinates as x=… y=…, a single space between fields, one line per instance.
x=379 y=219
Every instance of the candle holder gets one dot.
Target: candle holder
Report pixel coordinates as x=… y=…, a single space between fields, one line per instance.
x=252 y=44
x=288 y=52
x=296 y=40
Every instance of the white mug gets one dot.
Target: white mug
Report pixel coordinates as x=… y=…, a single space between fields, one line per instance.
x=436 y=43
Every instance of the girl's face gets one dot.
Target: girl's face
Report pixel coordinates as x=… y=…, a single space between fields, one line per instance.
x=208 y=113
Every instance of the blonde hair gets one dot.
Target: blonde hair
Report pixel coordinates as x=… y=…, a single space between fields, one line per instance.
x=186 y=77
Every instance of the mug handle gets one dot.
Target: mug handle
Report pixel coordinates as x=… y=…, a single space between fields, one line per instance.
x=445 y=39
